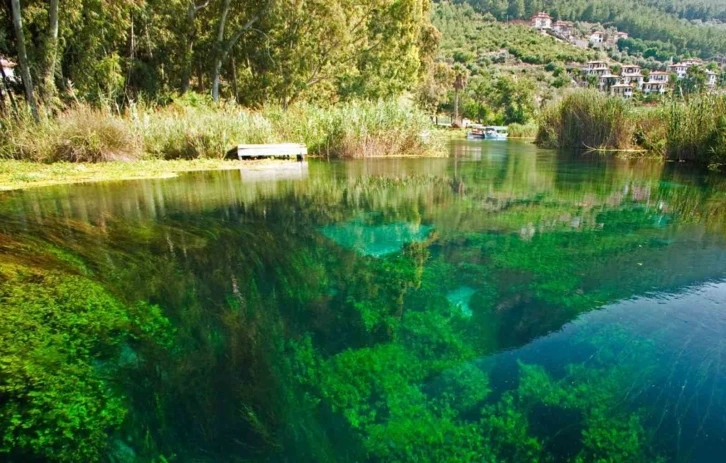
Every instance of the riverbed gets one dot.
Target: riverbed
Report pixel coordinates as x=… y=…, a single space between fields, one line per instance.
x=507 y=303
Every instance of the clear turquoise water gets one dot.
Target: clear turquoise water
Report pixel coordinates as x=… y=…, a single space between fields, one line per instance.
x=505 y=304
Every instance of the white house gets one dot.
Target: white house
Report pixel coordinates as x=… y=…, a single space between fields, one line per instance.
x=597 y=38
x=623 y=90
x=654 y=87
x=8 y=68
x=564 y=28
x=631 y=75
x=596 y=68
x=711 y=78
x=621 y=35
x=681 y=69
x=630 y=69
x=541 y=21
x=659 y=76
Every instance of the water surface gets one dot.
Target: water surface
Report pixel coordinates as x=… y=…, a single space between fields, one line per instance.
x=504 y=304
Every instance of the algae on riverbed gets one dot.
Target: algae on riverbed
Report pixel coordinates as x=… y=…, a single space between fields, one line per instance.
x=212 y=319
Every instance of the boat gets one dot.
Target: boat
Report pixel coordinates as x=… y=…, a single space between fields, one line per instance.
x=489 y=132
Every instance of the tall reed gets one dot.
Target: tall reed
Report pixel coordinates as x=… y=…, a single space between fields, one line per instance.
x=696 y=130
x=587 y=119
x=193 y=127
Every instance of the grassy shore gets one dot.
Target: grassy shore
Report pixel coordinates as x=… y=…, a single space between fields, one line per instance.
x=192 y=127
x=15 y=175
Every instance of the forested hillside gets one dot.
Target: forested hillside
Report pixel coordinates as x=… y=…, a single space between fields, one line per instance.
x=656 y=20
x=505 y=71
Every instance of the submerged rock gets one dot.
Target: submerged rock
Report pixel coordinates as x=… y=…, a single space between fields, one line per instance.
x=376 y=240
x=460 y=299
x=120 y=452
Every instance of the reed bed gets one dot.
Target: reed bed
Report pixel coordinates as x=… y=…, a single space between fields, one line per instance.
x=692 y=130
x=587 y=119
x=194 y=128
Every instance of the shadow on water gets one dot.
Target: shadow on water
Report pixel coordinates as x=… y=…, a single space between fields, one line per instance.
x=505 y=304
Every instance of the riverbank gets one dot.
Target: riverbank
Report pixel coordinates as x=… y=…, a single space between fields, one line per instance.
x=192 y=127
x=17 y=175
x=693 y=130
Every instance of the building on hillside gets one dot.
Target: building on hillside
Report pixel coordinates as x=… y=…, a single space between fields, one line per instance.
x=541 y=21
x=8 y=68
x=680 y=69
x=711 y=78
x=606 y=81
x=659 y=76
x=631 y=74
x=621 y=35
x=596 y=68
x=564 y=28
x=654 y=87
x=622 y=90
x=634 y=79
x=597 y=38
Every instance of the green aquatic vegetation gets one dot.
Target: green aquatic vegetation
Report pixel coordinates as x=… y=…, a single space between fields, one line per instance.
x=601 y=391
x=56 y=329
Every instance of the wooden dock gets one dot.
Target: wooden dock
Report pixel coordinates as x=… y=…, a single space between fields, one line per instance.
x=280 y=150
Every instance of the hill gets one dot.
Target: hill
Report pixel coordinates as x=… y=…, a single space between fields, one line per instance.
x=671 y=24
x=511 y=69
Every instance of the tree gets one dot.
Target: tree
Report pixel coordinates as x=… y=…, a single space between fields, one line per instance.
x=461 y=78
x=695 y=80
x=516 y=9
x=47 y=83
x=23 y=58
x=434 y=87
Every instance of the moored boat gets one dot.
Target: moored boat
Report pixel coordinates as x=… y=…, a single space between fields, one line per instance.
x=490 y=132
x=496 y=132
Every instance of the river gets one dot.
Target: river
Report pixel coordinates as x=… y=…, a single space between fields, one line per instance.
x=504 y=304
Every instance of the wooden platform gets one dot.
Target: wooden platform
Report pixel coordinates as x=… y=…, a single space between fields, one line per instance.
x=280 y=150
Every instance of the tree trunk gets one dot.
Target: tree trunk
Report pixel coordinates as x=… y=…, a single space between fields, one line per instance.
x=48 y=88
x=220 y=46
x=234 y=81
x=456 y=108
x=223 y=48
x=23 y=58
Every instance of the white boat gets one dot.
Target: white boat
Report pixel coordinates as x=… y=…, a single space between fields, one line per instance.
x=496 y=132
x=490 y=132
